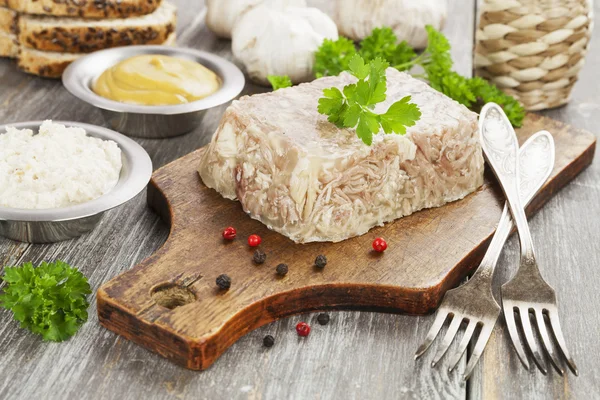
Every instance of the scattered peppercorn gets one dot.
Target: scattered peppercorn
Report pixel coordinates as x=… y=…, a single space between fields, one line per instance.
x=268 y=341
x=259 y=257
x=323 y=319
x=379 y=245
x=303 y=329
x=223 y=282
x=320 y=261
x=282 y=269
x=253 y=240
x=229 y=233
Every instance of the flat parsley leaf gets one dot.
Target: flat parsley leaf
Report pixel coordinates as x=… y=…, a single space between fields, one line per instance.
x=352 y=107
x=333 y=105
x=279 y=82
x=358 y=68
x=400 y=115
x=49 y=300
x=333 y=57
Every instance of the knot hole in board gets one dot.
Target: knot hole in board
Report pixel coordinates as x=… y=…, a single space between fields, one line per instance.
x=172 y=296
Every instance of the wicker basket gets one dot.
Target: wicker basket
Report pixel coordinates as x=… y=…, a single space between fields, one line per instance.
x=533 y=49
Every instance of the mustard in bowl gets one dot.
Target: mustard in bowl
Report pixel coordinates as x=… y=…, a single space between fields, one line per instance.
x=156 y=79
x=153 y=121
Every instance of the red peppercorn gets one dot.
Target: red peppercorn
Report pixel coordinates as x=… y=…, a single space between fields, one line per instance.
x=379 y=245
x=253 y=240
x=303 y=329
x=229 y=233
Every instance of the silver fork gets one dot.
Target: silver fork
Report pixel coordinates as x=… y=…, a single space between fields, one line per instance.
x=474 y=301
x=527 y=292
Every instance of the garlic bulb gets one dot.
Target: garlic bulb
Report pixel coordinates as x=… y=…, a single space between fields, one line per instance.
x=280 y=41
x=221 y=15
x=357 y=18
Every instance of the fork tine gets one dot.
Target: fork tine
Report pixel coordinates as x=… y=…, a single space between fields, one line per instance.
x=539 y=317
x=440 y=318
x=509 y=317
x=448 y=338
x=555 y=324
x=463 y=344
x=484 y=336
x=526 y=323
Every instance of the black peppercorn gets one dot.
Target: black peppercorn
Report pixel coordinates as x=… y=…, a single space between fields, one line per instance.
x=323 y=319
x=282 y=269
x=268 y=341
x=320 y=261
x=223 y=281
x=259 y=257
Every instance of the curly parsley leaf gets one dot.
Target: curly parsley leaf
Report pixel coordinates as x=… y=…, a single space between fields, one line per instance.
x=353 y=106
x=333 y=57
x=279 y=82
x=435 y=60
x=486 y=92
x=455 y=86
x=382 y=42
x=471 y=92
x=49 y=300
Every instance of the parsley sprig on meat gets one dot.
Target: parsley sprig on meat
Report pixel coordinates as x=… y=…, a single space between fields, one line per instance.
x=353 y=106
x=333 y=57
x=49 y=300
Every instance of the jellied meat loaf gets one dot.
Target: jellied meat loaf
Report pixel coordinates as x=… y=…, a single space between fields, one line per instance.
x=311 y=181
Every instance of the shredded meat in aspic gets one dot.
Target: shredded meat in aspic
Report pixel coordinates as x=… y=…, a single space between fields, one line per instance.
x=311 y=181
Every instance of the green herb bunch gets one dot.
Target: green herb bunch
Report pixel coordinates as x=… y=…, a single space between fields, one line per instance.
x=334 y=56
x=353 y=106
x=49 y=300
x=279 y=82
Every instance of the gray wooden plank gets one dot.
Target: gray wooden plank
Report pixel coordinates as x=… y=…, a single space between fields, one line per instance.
x=565 y=235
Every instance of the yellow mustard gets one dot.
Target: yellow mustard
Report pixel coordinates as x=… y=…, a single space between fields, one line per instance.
x=157 y=80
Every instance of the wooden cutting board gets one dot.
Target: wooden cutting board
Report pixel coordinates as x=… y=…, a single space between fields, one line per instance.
x=170 y=303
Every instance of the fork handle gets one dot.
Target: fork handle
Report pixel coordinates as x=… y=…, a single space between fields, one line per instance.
x=536 y=162
x=500 y=146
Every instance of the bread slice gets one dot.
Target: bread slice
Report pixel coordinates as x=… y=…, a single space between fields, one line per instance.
x=9 y=45
x=49 y=64
x=8 y=20
x=44 y=63
x=76 y=35
x=84 y=8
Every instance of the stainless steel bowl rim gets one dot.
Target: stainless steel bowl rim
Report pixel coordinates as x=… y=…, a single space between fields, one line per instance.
x=138 y=173
x=78 y=76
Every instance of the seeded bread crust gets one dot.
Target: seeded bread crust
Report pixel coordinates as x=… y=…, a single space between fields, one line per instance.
x=51 y=64
x=84 y=8
x=9 y=45
x=67 y=35
x=44 y=64
x=8 y=20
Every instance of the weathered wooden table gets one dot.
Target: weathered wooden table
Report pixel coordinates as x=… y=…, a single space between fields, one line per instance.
x=359 y=355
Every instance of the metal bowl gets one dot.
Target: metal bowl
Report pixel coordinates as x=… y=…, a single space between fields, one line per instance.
x=56 y=224
x=151 y=121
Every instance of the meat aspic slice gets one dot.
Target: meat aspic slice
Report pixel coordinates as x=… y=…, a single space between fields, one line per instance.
x=309 y=180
